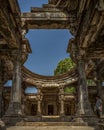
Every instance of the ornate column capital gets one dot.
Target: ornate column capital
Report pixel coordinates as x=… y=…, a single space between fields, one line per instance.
x=24 y=28
x=76 y=52
x=61 y=98
x=39 y=95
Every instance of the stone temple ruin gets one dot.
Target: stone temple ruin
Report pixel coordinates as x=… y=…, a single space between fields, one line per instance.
x=85 y=20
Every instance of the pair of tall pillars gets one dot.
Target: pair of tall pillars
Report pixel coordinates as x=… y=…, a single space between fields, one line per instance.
x=15 y=101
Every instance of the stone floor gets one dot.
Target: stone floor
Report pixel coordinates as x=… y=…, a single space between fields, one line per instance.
x=50 y=128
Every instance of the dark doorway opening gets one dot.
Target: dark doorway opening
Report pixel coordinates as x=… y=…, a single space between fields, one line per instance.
x=67 y=109
x=50 y=109
x=34 y=109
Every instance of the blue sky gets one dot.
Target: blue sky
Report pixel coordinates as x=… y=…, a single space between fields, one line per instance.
x=48 y=46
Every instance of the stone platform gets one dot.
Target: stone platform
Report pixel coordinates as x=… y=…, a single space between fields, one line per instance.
x=50 y=128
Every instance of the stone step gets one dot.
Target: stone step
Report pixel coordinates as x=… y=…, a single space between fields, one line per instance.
x=50 y=124
x=50 y=128
x=48 y=118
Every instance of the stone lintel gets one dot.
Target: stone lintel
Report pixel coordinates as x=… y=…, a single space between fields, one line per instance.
x=46 y=20
x=37 y=9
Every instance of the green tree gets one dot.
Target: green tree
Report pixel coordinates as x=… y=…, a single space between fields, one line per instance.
x=64 y=66
x=90 y=82
x=71 y=90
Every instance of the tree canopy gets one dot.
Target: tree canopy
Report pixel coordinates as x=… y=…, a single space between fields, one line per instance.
x=70 y=90
x=64 y=66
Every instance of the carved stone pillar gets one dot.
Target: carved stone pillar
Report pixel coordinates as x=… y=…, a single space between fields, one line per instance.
x=1 y=87
x=84 y=110
x=1 y=93
x=39 y=107
x=99 y=85
x=23 y=106
x=62 y=106
x=98 y=81
x=101 y=94
x=15 y=102
x=61 y=98
x=39 y=99
x=0 y=97
x=84 y=107
x=101 y=125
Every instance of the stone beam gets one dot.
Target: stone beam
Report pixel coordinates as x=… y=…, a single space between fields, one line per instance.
x=46 y=19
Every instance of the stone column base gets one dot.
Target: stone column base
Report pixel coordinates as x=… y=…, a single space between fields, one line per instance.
x=2 y=125
x=39 y=116
x=62 y=117
x=91 y=120
x=14 y=110
x=101 y=123
x=13 y=121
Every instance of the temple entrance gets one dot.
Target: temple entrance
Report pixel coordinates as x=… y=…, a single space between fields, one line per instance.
x=50 y=101
x=50 y=109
